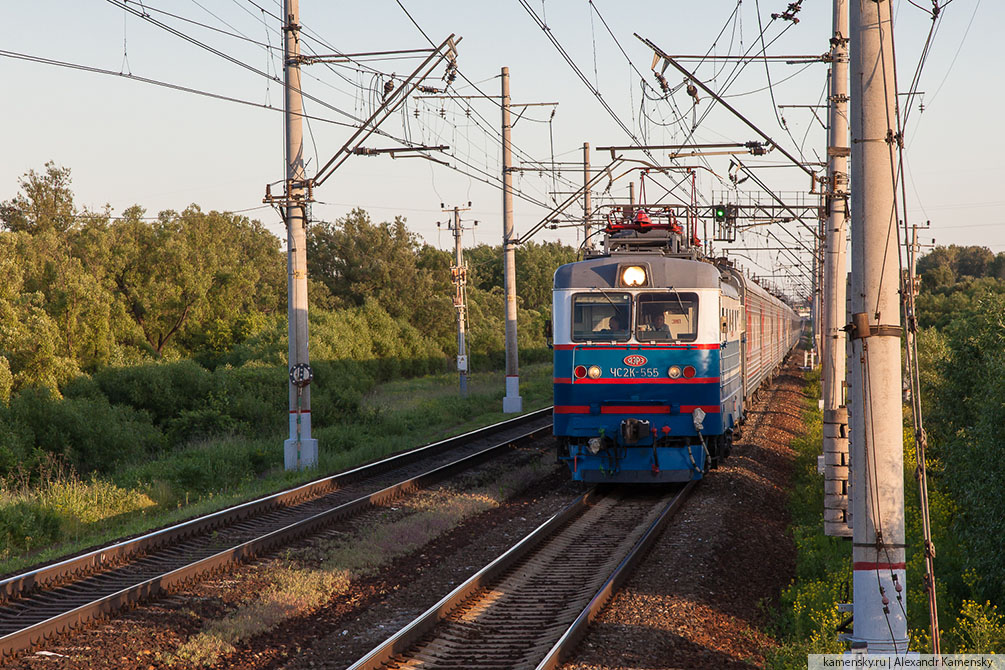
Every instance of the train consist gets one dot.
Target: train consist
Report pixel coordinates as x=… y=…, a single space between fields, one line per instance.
x=657 y=355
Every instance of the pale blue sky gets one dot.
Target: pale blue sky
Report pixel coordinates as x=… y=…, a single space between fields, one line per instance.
x=129 y=142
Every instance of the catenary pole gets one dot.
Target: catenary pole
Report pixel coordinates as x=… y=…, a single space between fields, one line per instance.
x=300 y=450
x=459 y=274
x=587 y=205
x=878 y=556
x=833 y=355
x=512 y=402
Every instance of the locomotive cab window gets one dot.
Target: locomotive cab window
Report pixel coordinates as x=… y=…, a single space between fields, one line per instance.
x=671 y=317
x=603 y=317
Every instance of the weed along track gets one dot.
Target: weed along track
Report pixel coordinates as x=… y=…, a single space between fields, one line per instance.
x=531 y=605
x=54 y=598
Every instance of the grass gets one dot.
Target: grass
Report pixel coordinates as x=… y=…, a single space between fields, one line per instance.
x=63 y=514
x=310 y=576
x=807 y=620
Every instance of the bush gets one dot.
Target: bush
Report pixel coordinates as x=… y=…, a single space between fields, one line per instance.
x=253 y=397
x=980 y=629
x=26 y=526
x=91 y=434
x=199 y=424
x=162 y=389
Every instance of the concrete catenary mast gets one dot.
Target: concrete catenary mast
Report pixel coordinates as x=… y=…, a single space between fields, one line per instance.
x=878 y=555
x=833 y=355
x=300 y=450
x=587 y=204
x=459 y=277
x=512 y=402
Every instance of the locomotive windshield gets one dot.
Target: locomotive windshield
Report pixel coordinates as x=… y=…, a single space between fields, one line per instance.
x=601 y=317
x=667 y=317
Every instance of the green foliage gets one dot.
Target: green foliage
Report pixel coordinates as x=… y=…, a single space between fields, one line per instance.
x=808 y=619
x=90 y=433
x=193 y=272
x=207 y=467
x=6 y=380
x=944 y=266
x=61 y=505
x=45 y=203
x=967 y=410
x=25 y=527
x=82 y=292
x=953 y=278
x=535 y=269
x=359 y=261
x=163 y=390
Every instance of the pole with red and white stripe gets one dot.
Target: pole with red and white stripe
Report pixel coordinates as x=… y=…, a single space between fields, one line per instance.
x=878 y=551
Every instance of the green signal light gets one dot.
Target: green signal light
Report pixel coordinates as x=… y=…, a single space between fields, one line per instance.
x=720 y=212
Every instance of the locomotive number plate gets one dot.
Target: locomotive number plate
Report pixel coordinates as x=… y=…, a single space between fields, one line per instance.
x=635 y=373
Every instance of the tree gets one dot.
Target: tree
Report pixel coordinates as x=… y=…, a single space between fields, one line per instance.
x=357 y=260
x=52 y=231
x=937 y=268
x=974 y=261
x=535 y=272
x=29 y=337
x=192 y=268
x=44 y=203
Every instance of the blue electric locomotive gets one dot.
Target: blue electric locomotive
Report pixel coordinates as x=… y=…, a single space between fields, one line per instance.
x=656 y=353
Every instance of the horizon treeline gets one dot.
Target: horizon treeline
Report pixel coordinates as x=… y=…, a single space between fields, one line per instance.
x=83 y=290
x=123 y=338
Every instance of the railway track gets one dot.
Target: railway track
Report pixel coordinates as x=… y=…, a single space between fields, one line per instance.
x=531 y=606
x=37 y=604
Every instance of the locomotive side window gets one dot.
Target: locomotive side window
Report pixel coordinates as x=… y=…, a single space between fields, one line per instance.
x=667 y=317
x=601 y=317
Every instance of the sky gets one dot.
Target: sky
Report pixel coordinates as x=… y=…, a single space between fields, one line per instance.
x=130 y=142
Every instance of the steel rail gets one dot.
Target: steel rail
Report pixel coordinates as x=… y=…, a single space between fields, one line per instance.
x=413 y=633
x=12 y=586
x=567 y=643
x=32 y=634
x=419 y=627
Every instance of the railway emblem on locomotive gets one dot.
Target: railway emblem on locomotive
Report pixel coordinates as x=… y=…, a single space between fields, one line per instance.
x=635 y=360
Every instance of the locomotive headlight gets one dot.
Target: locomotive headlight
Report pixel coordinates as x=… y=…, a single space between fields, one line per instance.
x=580 y=371
x=633 y=275
x=689 y=371
x=674 y=371
x=593 y=372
